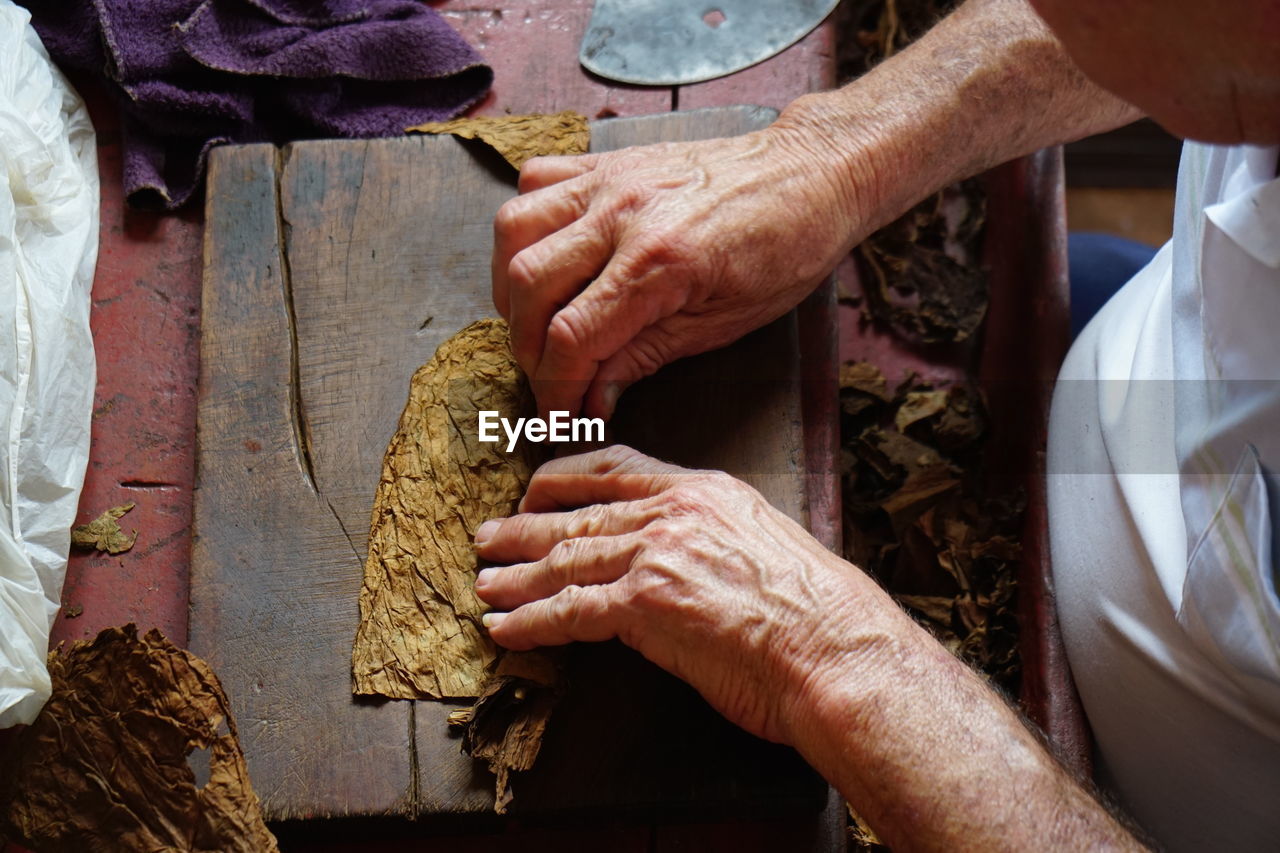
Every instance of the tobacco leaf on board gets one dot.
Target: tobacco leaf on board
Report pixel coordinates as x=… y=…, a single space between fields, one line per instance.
x=420 y=633
x=520 y=138
x=917 y=516
x=104 y=533
x=107 y=765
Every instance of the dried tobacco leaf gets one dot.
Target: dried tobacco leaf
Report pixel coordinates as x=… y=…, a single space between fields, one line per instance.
x=862 y=838
x=865 y=377
x=918 y=471
x=506 y=725
x=890 y=25
x=107 y=766
x=921 y=275
x=917 y=406
x=104 y=533
x=420 y=633
x=520 y=138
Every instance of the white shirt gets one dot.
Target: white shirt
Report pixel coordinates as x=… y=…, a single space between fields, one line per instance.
x=1164 y=438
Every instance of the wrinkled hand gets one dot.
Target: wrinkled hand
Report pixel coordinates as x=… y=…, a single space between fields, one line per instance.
x=693 y=569
x=609 y=266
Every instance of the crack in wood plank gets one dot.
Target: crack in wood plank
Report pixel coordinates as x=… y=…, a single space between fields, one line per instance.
x=415 y=783
x=297 y=409
x=301 y=439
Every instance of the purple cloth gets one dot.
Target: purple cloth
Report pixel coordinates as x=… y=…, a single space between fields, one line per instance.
x=192 y=74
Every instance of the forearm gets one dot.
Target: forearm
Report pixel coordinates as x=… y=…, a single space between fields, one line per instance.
x=925 y=751
x=917 y=742
x=987 y=84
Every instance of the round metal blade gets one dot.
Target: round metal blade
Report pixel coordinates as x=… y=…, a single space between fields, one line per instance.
x=673 y=42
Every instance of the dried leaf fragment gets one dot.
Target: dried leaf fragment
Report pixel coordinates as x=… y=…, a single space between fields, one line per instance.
x=865 y=377
x=420 y=633
x=520 y=138
x=924 y=280
x=104 y=533
x=106 y=764
x=506 y=725
x=917 y=406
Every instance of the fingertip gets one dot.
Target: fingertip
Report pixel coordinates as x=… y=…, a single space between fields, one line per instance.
x=501 y=631
x=486 y=531
x=602 y=398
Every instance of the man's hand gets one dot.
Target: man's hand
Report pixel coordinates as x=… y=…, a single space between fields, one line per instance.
x=609 y=266
x=694 y=569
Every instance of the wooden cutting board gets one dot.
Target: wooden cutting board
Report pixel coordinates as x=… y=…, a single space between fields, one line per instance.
x=332 y=271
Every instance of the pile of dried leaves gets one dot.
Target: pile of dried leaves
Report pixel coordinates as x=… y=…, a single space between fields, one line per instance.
x=883 y=27
x=917 y=518
x=915 y=514
x=110 y=762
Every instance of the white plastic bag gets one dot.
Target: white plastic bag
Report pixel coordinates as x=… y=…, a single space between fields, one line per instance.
x=48 y=247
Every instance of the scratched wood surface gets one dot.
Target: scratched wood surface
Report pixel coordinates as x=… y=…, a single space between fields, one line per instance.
x=333 y=270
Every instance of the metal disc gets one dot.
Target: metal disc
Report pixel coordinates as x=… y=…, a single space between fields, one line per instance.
x=673 y=42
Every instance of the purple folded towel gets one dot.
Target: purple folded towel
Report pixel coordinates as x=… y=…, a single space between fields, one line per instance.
x=197 y=73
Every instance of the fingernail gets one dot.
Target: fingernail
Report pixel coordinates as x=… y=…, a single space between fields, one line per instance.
x=485 y=531
x=485 y=576
x=610 y=398
x=492 y=620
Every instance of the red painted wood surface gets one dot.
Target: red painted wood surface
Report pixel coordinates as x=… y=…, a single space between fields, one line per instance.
x=146 y=326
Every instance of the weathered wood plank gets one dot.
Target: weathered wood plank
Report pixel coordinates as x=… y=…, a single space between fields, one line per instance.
x=274 y=578
x=389 y=244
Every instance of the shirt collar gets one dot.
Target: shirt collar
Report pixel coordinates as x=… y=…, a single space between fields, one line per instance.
x=1250 y=216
